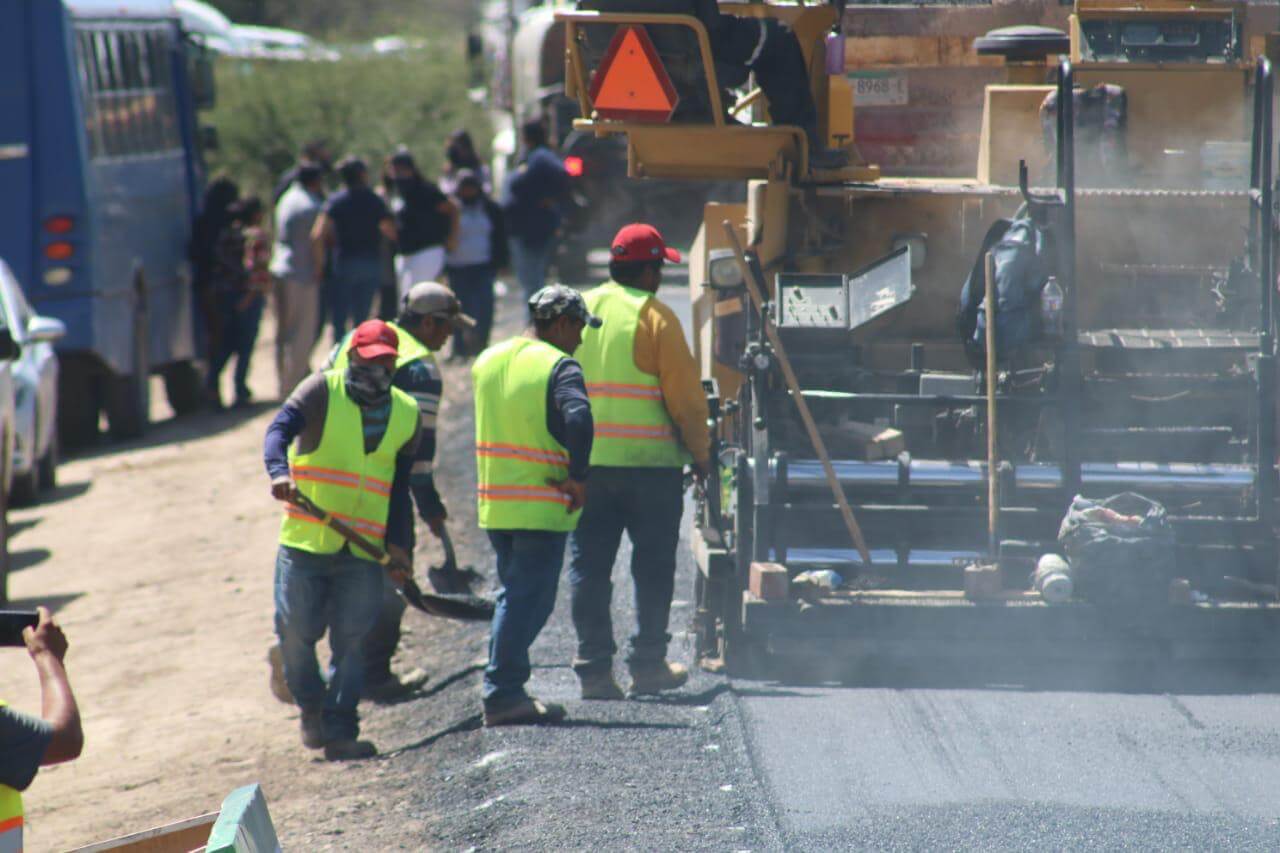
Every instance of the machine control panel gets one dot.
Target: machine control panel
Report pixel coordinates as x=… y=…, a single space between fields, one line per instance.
x=812 y=301
x=838 y=302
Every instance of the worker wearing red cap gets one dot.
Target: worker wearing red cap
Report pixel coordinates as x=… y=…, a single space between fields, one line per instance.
x=650 y=421
x=353 y=440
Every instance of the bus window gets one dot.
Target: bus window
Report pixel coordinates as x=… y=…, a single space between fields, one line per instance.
x=130 y=108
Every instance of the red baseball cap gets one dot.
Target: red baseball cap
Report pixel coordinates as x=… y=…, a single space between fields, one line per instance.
x=374 y=339
x=640 y=242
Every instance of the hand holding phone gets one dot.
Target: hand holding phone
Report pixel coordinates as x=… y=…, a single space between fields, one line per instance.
x=13 y=623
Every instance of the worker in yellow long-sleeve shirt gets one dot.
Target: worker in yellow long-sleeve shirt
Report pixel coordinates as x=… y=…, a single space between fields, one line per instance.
x=650 y=421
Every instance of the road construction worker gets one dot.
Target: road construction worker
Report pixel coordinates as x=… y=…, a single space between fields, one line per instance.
x=354 y=440
x=651 y=420
x=533 y=446
x=429 y=315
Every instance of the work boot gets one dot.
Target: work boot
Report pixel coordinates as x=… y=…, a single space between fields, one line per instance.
x=393 y=688
x=650 y=678
x=600 y=685
x=528 y=712
x=349 y=749
x=312 y=729
x=279 y=687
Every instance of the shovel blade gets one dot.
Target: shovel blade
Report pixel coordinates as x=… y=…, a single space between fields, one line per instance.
x=467 y=608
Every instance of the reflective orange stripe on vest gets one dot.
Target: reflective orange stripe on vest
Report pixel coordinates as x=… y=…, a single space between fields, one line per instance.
x=345 y=479
x=524 y=494
x=524 y=454
x=359 y=525
x=623 y=392
x=635 y=432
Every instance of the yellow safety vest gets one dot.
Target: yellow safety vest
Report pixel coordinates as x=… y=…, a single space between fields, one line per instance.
x=10 y=817
x=339 y=476
x=515 y=452
x=633 y=428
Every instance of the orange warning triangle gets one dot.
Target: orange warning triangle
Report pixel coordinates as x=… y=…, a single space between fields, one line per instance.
x=631 y=82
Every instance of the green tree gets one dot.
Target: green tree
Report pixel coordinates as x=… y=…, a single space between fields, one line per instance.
x=365 y=106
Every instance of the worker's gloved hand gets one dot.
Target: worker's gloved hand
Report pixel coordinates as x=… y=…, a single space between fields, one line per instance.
x=575 y=489
x=401 y=568
x=46 y=637
x=436 y=525
x=284 y=489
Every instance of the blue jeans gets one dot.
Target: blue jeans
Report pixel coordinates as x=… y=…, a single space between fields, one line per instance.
x=315 y=592
x=474 y=286
x=647 y=503
x=529 y=564
x=238 y=334
x=530 y=262
x=354 y=283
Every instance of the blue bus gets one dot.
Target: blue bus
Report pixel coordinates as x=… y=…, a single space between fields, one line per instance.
x=100 y=175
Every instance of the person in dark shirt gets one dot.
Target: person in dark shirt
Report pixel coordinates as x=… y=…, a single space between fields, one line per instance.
x=351 y=229
x=28 y=743
x=215 y=215
x=426 y=223
x=534 y=194
x=240 y=282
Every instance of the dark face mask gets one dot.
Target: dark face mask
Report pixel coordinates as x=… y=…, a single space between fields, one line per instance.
x=369 y=384
x=404 y=185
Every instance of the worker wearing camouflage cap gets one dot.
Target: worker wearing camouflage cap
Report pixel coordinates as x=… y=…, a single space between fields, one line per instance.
x=533 y=447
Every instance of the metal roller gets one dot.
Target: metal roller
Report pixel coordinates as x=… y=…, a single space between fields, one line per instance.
x=1158 y=477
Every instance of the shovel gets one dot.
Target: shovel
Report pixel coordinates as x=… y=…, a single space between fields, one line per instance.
x=448 y=578
x=466 y=608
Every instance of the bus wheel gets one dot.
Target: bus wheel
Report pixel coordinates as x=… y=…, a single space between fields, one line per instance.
x=184 y=388
x=129 y=397
x=78 y=403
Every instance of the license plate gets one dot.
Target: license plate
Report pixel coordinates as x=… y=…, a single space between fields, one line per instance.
x=887 y=89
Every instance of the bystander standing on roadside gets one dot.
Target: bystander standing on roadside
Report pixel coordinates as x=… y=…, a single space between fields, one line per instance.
x=28 y=743
x=297 y=284
x=533 y=449
x=215 y=214
x=314 y=153
x=460 y=153
x=534 y=194
x=426 y=223
x=474 y=262
x=351 y=229
x=241 y=281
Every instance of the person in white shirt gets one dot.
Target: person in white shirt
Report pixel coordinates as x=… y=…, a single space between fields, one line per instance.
x=298 y=291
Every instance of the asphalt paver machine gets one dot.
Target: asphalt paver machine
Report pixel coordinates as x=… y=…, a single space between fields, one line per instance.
x=1138 y=140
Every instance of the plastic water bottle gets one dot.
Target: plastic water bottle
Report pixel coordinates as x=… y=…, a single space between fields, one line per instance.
x=1051 y=308
x=1053 y=579
x=835 y=54
x=824 y=579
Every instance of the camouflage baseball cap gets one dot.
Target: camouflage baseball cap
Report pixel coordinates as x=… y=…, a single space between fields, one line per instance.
x=556 y=300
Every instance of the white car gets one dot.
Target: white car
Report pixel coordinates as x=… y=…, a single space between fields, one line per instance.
x=35 y=391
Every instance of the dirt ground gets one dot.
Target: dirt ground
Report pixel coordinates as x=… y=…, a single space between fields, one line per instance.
x=158 y=558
